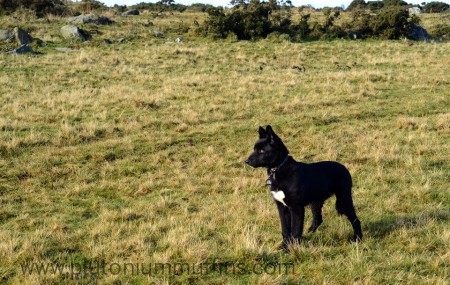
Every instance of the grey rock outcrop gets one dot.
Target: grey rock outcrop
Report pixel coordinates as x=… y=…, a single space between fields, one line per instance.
x=22 y=50
x=414 y=11
x=22 y=37
x=418 y=33
x=73 y=32
x=6 y=35
x=131 y=13
x=89 y=19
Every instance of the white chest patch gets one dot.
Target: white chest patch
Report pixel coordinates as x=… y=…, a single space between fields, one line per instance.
x=279 y=196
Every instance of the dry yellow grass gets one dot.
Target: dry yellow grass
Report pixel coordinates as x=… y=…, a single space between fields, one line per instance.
x=133 y=153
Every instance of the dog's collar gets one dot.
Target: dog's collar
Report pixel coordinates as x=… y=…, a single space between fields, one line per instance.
x=273 y=170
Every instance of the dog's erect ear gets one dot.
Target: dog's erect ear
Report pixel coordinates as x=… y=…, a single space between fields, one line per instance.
x=262 y=133
x=271 y=134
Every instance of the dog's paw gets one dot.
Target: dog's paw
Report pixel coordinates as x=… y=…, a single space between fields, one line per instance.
x=283 y=247
x=312 y=228
x=357 y=238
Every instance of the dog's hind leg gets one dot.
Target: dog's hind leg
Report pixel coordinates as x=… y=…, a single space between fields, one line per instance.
x=344 y=206
x=316 y=209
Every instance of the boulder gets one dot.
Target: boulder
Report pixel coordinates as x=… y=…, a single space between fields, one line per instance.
x=22 y=50
x=89 y=19
x=414 y=11
x=418 y=33
x=22 y=37
x=71 y=32
x=6 y=35
x=131 y=13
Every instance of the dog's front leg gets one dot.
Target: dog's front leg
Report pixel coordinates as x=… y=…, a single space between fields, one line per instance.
x=285 y=219
x=297 y=220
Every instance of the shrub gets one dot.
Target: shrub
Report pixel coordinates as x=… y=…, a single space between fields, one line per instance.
x=198 y=7
x=216 y=24
x=394 y=3
x=257 y=20
x=392 y=23
x=328 y=30
x=356 y=4
x=161 y=6
x=441 y=31
x=435 y=7
x=89 y=6
x=359 y=24
x=40 y=7
x=375 y=5
x=119 y=9
x=248 y=23
x=303 y=26
x=277 y=37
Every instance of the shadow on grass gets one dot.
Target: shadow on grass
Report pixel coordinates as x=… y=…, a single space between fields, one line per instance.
x=389 y=224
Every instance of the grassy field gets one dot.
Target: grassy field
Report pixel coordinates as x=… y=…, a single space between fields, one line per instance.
x=133 y=153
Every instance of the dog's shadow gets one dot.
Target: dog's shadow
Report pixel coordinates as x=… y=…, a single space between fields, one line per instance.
x=392 y=223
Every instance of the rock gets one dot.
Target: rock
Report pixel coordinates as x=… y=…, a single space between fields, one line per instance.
x=414 y=11
x=22 y=50
x=89 y=19
x=418 y=33
x=121 y=40
x=131 y=13
x=107 y=41
x=22 y=37
x=71 y=31
x=179 y=40
x=6 y=35
x=158 y=33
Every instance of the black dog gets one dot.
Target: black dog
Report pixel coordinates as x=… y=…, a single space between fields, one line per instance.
x=295 y=185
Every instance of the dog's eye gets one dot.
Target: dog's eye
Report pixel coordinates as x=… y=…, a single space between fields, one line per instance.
x=260 y=151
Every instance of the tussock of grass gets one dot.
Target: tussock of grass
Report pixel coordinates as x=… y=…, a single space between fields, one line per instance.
x=133 y=153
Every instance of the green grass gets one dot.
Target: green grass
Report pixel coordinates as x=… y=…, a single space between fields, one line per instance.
x=134 y=153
